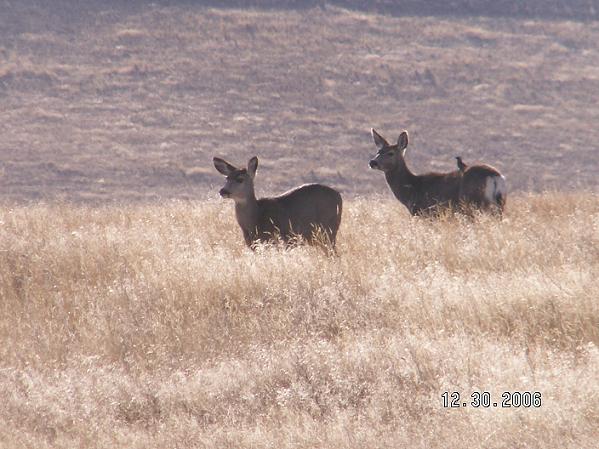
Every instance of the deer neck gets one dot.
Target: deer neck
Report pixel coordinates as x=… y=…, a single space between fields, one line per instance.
x=246 y=211
x=402 y=183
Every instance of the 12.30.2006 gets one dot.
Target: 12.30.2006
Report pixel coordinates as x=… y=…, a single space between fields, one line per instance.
x=482 y=399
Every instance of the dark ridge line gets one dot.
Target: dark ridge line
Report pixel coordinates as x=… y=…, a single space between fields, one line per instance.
x=583 y=10
x=578 y=10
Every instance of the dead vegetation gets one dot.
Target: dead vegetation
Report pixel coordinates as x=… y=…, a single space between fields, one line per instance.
x=154 y=326
x=131 y=313
x=122 y=92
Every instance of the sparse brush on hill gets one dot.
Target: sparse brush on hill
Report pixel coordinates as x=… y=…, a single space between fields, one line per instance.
x=580 y=9
x=131 y=100
x=156 y=327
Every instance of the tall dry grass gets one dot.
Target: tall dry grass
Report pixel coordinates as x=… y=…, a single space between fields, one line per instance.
x=153 y=326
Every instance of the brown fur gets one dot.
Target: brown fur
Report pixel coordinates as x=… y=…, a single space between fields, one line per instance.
x=311 y=211
x=428 y=192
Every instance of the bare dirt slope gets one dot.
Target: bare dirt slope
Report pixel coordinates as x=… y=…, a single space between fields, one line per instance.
x=131 y=102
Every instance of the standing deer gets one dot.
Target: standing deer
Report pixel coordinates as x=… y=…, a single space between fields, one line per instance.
x=478 y=186
x=311 y=211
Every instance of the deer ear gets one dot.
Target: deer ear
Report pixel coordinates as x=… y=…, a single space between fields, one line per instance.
x=223 y=166
x=402 y=141
x=379 y=140
x=253 y=166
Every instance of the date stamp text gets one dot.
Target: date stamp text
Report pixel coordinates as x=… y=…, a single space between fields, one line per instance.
x=483 y=399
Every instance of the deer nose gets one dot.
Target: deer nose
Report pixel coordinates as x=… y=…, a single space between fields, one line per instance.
x=224 y=193
x=373 y=164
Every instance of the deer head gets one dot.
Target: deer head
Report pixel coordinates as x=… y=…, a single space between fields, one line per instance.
x=239 y=185
x=389 y=156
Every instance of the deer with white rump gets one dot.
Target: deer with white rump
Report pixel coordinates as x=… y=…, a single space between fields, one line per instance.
x=311 y=211
x=471 y=186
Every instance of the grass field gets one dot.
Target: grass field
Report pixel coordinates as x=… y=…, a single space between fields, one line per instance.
x=150 y=326
x=133 y=316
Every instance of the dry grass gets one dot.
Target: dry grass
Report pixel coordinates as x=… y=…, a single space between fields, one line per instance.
x=154 y=327
x=124 y=97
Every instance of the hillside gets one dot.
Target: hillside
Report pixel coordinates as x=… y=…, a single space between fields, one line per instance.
x=130 y=101
x=133 y=316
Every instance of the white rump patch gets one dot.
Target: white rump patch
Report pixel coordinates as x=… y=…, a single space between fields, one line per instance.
x=495 y=188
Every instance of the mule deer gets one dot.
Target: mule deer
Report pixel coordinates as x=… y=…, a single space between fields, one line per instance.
x=311 y=211
x=471 y=186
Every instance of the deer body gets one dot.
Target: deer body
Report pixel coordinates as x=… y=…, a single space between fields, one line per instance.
x=424 y=192
x=480 y=186
x=483 y=187
x=304 y=211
